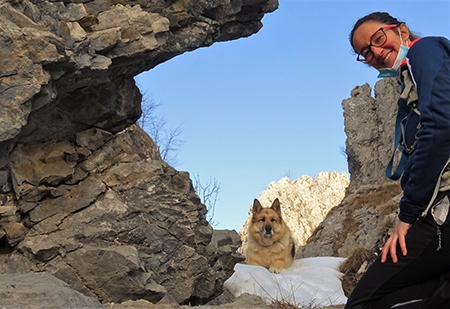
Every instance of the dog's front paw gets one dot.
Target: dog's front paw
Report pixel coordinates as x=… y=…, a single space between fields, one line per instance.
x=275 y=270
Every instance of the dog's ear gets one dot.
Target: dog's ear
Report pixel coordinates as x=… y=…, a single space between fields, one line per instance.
x=276 y=206
x=256 y=206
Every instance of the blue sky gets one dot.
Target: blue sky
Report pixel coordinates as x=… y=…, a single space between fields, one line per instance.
x=254 y=110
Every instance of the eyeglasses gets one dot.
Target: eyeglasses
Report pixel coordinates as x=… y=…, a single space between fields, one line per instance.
x=377 y=40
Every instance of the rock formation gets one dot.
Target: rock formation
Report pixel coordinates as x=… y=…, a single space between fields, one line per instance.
x=304 y=202
x=369 y=125
x=41 y=291
x=84 y=194
x=360 y=225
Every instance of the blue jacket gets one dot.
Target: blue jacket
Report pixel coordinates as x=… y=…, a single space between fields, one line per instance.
x=429 y=63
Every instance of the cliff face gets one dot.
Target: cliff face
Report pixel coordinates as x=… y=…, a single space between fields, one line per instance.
x=84 y=194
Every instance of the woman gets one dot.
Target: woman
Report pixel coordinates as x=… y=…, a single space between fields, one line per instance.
x=412 y=269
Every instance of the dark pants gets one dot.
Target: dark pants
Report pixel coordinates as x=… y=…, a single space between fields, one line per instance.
x=415 y=278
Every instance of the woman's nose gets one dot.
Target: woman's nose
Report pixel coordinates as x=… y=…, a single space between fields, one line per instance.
x=377 y=51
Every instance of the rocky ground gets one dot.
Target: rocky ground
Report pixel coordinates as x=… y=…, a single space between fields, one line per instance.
x=42 y=290
x=245 y=301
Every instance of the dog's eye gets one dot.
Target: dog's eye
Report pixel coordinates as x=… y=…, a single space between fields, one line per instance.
x=273 y=220
x=263 y=220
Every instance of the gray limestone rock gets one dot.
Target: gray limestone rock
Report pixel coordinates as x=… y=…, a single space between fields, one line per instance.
x=368 y=212
x=369 y=125
x=69 y=66
x=41 y=291
x=131 y=228
x=84 y=193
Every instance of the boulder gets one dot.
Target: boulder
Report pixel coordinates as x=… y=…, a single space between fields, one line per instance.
x=41 y=291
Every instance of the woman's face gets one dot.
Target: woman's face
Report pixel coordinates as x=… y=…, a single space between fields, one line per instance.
x=383 y=56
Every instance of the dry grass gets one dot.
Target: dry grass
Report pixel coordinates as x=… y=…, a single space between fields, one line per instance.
x=350 y=224
x=389 y=223
x=289 y=302
x=388 y=207
x=378 y=197
x=357 y=257
x=351 y=266
x=284 y=305
x=281 y=305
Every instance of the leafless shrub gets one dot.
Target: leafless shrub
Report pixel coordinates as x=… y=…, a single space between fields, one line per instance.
x=208 y=194
x=167 y=139
x=169 y=143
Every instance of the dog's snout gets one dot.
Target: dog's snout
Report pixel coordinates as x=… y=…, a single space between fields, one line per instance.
x=268 y=229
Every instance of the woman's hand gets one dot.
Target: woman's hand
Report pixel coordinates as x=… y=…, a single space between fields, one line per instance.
x=398 y=235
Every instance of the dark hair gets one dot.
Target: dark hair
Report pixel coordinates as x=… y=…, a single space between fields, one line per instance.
x=381 y=17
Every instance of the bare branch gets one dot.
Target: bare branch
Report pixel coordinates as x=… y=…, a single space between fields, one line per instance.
x=167 y=140
x=208 y=194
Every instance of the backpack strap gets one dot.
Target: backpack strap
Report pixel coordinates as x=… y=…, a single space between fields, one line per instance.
x=437 y=188
x=403 y=110
x=408 y=100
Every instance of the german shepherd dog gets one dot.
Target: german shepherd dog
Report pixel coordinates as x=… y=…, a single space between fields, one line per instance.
x=270 y=243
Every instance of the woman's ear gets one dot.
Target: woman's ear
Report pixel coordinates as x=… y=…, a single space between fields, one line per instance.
x=405 y=34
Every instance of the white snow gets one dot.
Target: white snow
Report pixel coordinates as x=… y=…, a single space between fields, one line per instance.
x=311 y=281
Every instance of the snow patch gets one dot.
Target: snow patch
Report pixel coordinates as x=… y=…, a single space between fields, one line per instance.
x=311 y=281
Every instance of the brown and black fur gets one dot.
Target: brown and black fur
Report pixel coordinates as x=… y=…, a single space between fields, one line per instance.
x=270 y=243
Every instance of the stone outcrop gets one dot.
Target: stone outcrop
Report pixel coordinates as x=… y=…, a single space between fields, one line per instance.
x=41 y=291
x=67 y=66
x=359 y=226
x=304 y=202
x=361 y=217
x=369 y=125
x=84 y=193
x=108 y=216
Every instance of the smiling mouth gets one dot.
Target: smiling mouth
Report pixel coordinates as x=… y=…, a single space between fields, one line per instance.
x=387 y=57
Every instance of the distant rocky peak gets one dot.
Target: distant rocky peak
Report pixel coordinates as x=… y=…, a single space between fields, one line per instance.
x=304 y=202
